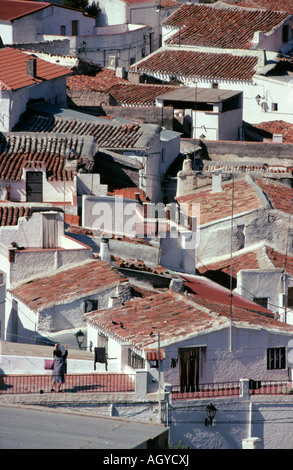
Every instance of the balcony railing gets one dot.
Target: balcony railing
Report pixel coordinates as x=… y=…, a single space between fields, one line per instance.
x=230 y=389
x=269 y=387
x=208 y=390
x=86 y=383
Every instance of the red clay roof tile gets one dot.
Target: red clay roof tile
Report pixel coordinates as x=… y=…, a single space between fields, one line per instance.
x=68 y=284
x=19 y=151
x=218 y=205
x=198 y=64
x=175 y=316
x=204 y=25
x=13 y=71
x=275 y=5
x=12 y=9
x=9 y=215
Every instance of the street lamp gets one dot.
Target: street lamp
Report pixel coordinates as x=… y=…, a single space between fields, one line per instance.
x=211 y=412
x=79 y=338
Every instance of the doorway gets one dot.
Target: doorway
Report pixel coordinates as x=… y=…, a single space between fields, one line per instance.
x=34 y=186
x=191 y=367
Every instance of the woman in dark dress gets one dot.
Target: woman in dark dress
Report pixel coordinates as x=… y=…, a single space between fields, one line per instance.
x=58 y=373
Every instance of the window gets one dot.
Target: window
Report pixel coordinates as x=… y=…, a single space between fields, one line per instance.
x=90 y=305
x=276 y=358
x=290 y=297
x=285 y=33
x=74 y=27
x=263 y=301
x=274 y=106
x=63 y=30
x=135 y=361
x=215 y=85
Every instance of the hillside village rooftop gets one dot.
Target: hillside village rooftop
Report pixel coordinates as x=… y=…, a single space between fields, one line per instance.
x=214 y=26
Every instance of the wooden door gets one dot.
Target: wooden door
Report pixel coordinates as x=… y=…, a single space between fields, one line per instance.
x=50 y=235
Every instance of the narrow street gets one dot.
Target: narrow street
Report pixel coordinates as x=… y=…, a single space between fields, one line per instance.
x=30 y=429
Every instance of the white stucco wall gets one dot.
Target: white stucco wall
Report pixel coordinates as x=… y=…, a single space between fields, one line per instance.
x=215 y=239
x=32 y=27
x=268 y=419
x=248 y=358
x=14 y=104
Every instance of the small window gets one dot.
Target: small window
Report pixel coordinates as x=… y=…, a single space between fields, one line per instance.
x=74 y=28
x=63 y=30
x=90 y=305
x=274 y=106
x=276 y=358
x=290 y=297
x=215 y=85
x=285 y=33
x=263 y=301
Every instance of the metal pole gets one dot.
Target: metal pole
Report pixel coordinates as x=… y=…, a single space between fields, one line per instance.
x=159 y=352
x=231 y=270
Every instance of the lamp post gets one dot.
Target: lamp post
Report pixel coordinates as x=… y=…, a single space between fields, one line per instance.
x=79 y=338
x=211 y=412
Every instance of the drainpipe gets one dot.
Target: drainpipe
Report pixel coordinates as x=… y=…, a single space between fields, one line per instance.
x=250 y=421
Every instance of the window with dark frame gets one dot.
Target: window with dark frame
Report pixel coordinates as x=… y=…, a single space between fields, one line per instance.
x=276 y=358
x=263 y=301
x=274 y=106
x=290 y=297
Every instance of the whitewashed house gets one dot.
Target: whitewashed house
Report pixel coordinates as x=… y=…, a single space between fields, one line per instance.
x=51 y=280
x=130 y=153
x=23 y=22
x=198 y=342
x=144 y=12
x=32 y=79
x=115 y=47
x=241 y=56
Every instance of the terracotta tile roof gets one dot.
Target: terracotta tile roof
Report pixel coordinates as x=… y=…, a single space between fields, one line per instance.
x=12 y=9
x=68 y=285
x=206 y=290
x=218 y=205
x=267 y=129
x=129 y=193
x=279 y=195
x=18 y=151
x=107 y=135
x=101 y=81
x=122 y=90
x=204 y=25
x=244 y=261
x=176 y=317
x=198 y=64
x=13 y=71
x=275 y=5
x=281 y=260
x=9 y=215
x=171 y=314
x=138 y=94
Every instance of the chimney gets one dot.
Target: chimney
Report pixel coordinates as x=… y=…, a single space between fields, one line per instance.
x=262 y=60
x=31 y=67
x=105 y=250
x=114 y=302
x=216 y=181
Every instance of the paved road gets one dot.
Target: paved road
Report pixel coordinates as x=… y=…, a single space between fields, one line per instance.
x=22 y=428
